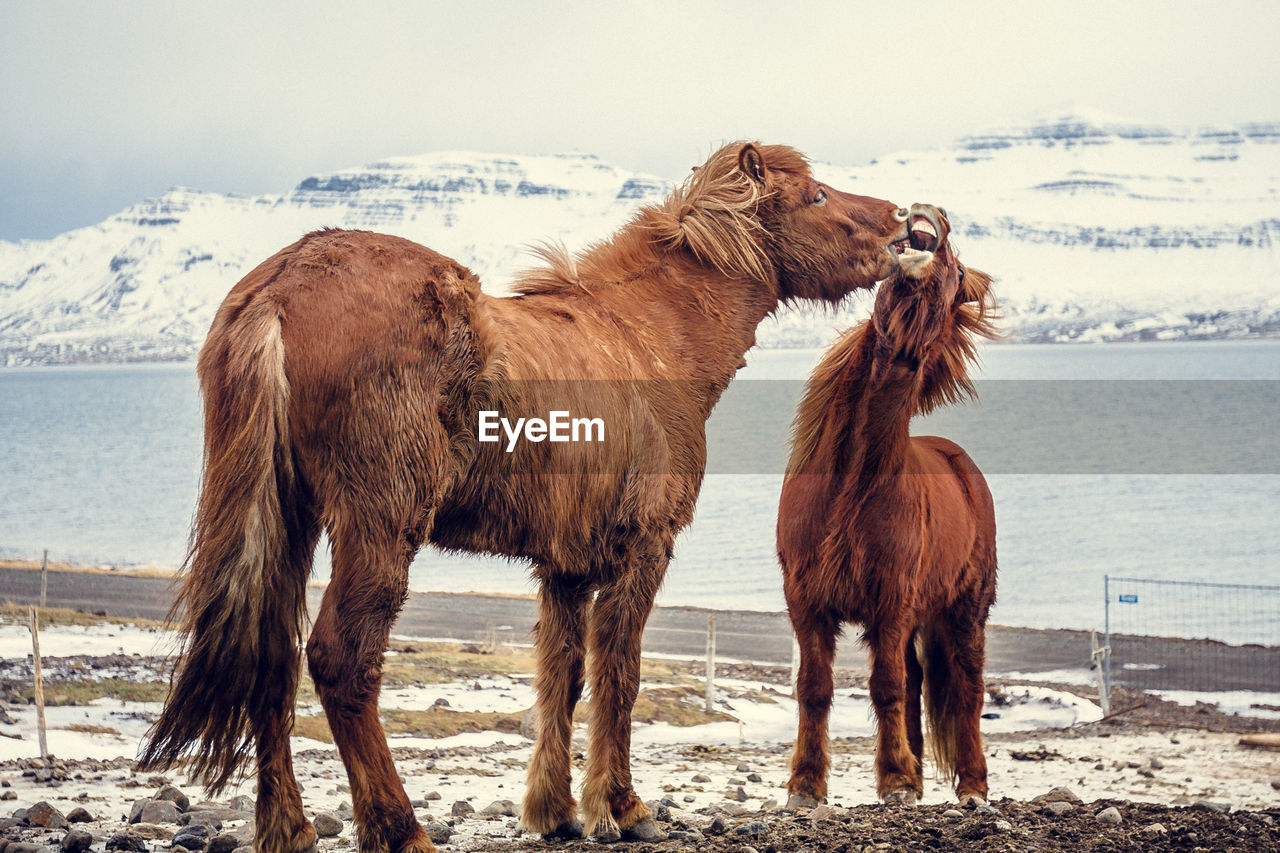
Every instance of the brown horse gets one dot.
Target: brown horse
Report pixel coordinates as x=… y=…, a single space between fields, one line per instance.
x=892 y=532
x=345 y=381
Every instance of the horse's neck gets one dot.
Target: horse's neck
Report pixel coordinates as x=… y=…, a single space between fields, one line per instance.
x=881 y=397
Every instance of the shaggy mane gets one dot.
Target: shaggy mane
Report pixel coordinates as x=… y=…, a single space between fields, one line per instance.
x=712 y=215
x=944 y=377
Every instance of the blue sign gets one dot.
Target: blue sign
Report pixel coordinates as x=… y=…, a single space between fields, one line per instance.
x=1131 y=598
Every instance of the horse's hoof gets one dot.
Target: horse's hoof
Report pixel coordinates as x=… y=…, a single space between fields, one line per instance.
x=568 y=831
x=645 y=830
x=898 y=798
x=802 y=801
x=607 y=834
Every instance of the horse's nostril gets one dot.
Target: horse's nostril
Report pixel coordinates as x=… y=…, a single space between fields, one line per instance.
x=901 y=214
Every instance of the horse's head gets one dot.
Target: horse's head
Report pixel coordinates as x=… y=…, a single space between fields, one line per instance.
x=929 y=314
x=823 y=243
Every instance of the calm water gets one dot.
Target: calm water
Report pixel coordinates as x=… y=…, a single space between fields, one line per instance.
x=101 y=464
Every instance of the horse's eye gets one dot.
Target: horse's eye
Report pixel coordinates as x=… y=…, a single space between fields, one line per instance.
x=820 y=197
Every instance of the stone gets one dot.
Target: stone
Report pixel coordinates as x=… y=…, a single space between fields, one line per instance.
x=432 y=795
x=174 y=795
x=462 y=809
x=1210 y=805
x=824 y=812
x=1060 y=808
x=717 y=826
x=437 y=832
x=700 y=779
x=755 y=777
x=212 y=818
x=744 y=767
x=1155 y=829
x=755 y=827
x=1275 y=783
x=79 y=815
x=224 y=843
x=127 y=841
x=43 y=814
x=499 y=808
x=135 y=811
x=953 y=813
x=327 y=825
x=76 y=841
x=193 y=836
x=1109 y=815
x=740 y=795
x=8 y=795
x=1157 y=764
x=529 y=724
x=1058 y=795
x=158 y=811
x=1003 y=825
x=242 y=803
x=151 y=832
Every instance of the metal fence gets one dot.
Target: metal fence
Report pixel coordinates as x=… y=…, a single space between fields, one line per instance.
x=1191 y=637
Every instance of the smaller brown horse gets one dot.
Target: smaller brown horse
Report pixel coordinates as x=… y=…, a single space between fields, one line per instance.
x=893 y=532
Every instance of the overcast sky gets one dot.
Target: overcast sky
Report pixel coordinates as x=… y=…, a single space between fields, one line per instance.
x=106 y=103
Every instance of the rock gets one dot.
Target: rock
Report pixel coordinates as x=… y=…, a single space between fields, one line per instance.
x=194 y=836
x=755 y=827
x=1003 y=825
x=1155 y=829
x=437 y=832
x=824 y=812
x=158 y=811
x=432 y=795
x=529 y=724
x=734 y=810
x=173 y=795
x=1109 y=815
x=740 y=795
x=1157 y=764
x=1058 y=795
x=327 y=825
x=462 y=809
x=151 y=832
x=8 y=795
x=755 y=777
x=24 y=847
x=43 y=814
x=743 y=767
x=79 y=815
x=1060 y=808
x=76 y=841
x=953 y=813
x=499 y=808
x=700 y=779
x=135 y=811
x=1221 y=808
x=212 y=818
x=692 y=836
x=224 y=843
x=242 y=803
x=717 y=826
x=127 y=841
x=1275 y=783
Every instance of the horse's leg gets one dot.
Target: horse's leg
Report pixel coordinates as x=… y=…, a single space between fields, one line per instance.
x=816 y=635
x=968 y=654
x=915 y=732
x=896 y=765
x=281 y=825
x=345 y=653
x=610 y=806
x=549 y=807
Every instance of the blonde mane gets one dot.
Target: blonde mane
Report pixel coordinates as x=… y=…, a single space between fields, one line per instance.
x=712 y=215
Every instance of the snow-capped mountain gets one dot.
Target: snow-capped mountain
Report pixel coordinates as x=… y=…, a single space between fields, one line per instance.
x=1096 y=229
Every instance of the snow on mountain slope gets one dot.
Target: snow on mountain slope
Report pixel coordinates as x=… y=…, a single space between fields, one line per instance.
x=1095 y=228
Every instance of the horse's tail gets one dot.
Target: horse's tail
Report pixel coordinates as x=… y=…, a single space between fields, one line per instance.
x=243 y=600
x=940 y=694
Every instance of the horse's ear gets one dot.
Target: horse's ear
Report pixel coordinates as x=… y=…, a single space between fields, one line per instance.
x=751 y=163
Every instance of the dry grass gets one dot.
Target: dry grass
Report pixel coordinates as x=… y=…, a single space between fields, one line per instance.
x=431 y=723
x=87 y=728
x=18 y=614
x=85 y=692
x=134 y=571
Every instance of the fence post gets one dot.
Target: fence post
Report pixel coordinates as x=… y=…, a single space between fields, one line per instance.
x=1105 y=663
x=711 y=660
x=39 y=681
x=1098 y=655
x=44 y=578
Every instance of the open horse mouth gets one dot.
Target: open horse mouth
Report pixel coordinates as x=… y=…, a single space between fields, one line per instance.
x=925 y=233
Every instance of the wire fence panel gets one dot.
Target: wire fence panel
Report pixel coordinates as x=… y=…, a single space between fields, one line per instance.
x=1173 y=636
